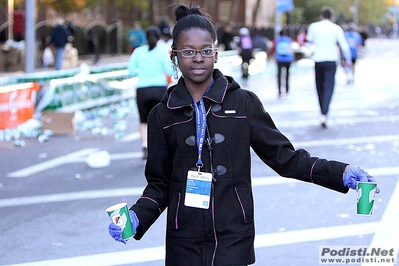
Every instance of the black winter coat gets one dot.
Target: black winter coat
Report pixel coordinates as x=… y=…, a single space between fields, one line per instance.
x=236 y=121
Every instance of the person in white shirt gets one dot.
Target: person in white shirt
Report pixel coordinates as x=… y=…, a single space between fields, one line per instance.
x=325 y=35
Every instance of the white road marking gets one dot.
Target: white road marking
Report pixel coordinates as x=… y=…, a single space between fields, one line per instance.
x=136 y=191
x=261 y=241
x=130 y=137
x=345 y=141
x=75 y=157
x=78 y=157
x=387 y=234
x=70 y=196
x=40 y=167
x=315 y=234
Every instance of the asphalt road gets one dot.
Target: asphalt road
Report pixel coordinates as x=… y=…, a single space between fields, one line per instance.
x=52 y=203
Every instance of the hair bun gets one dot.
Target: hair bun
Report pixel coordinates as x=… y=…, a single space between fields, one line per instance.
x=183 y=10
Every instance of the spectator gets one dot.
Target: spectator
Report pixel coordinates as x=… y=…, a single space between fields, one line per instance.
x=136 y=37
x=59 y=38
x=301 y=37
x=227 y=37
x=261 y=43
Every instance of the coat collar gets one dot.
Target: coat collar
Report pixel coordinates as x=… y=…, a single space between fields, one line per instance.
x=178 y=96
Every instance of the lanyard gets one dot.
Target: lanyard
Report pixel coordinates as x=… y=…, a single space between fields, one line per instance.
x=200 y=118
x=200 y=129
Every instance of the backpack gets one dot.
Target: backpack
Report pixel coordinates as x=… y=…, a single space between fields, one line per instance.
x=283 y=46
x=246 y=42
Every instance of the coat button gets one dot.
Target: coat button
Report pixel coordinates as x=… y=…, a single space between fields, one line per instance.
x=218 y=138
x=221 y=170
x=188 y=112
x=216 y=107
x=190 y=141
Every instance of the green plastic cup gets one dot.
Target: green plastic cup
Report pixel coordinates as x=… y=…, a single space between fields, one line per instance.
x=119 y=214
x=365 y=197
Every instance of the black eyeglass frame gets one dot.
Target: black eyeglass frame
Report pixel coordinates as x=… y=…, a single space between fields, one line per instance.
x=201 y=52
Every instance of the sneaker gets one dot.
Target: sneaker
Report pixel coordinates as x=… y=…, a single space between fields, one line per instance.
x=323 y=121
x=145 y=154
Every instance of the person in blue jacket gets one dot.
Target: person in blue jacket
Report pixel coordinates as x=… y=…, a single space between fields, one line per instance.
x=355 y=44
x=284 y=56
x=200 y=139
x=136 y=37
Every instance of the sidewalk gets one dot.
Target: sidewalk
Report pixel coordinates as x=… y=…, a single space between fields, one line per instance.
x=105 y=60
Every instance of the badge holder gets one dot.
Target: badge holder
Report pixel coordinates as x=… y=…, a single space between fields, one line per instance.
x=198 y=189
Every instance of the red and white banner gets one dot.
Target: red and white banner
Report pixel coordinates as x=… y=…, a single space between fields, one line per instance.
x=17 y=104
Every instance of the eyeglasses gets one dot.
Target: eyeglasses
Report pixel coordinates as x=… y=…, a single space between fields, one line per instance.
x=207 y=52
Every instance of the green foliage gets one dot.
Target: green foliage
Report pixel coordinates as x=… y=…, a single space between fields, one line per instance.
x=370 y=11
x=63 y=6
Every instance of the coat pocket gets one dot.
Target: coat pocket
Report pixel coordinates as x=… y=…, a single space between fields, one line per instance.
x=173 y=211
x=246 y=203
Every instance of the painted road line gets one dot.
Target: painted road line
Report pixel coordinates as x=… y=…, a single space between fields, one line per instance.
x=75 y=157
x=78 y=157
x=137 y=191
x=70 y=196
x=40 y=167
x=106 y=259
x=348 y=120
x=113 y=157
x=315 y=234
x=387 y=234
x=347 y=141
x=261 y=241
x=110 y=193
x=130 y=137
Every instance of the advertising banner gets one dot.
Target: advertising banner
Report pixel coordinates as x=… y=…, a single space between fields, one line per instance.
x=17 y=104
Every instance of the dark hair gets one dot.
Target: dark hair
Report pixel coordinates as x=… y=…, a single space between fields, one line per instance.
x=192 y=17
x=284 y=32
x=327 y=12
x=153 y=35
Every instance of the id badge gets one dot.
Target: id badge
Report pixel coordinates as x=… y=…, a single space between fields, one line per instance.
x=198 y=189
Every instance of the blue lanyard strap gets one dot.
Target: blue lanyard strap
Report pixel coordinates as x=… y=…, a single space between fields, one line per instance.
x=200 y=128
x=200 y=117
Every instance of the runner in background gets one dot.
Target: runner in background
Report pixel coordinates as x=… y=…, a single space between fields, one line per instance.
x=355 y=44
x=284 y=55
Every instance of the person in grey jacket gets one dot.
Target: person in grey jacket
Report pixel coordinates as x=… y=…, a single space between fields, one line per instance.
x=199 y=157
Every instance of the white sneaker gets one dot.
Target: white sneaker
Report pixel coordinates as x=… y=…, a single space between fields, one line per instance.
x=323 y=121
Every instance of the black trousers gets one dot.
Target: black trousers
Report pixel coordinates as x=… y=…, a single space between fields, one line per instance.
x=325 y=83
x=280 y=66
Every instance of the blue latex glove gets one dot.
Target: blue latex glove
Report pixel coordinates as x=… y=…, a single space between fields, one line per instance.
x=354 y=174
x=116 y=231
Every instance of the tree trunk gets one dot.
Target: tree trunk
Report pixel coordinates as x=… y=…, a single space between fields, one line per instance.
x=234 y=11
x=255 y=12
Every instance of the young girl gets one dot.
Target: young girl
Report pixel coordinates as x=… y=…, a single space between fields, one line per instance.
x=199 y=164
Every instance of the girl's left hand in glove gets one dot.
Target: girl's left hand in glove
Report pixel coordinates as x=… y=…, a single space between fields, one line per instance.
x=354 y=174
